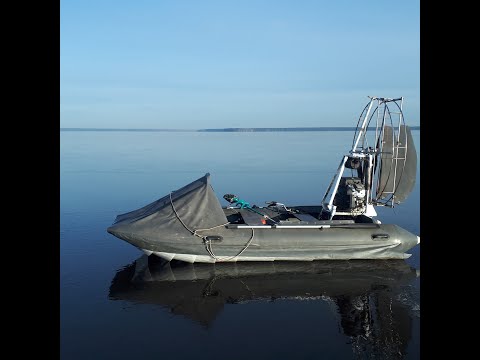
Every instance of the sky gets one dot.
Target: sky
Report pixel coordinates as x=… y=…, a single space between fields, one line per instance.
x=186 y=64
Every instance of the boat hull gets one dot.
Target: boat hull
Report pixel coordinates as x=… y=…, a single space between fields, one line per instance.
x=355 y=241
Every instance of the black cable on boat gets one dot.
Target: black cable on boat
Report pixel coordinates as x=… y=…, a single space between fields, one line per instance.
x=207 y=242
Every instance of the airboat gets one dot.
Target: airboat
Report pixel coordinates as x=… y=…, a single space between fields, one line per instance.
x=191 y=225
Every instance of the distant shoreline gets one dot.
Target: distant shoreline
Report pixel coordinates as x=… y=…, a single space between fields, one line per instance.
x=321 y=128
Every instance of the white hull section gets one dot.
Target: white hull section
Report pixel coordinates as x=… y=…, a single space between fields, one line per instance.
x=189 y=258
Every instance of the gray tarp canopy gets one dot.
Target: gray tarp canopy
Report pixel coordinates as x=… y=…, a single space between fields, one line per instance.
x=196 y=205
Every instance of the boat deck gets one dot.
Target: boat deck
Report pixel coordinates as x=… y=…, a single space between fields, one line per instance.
x=241 y=218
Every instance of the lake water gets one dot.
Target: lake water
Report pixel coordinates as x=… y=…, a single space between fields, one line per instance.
x=117 y=304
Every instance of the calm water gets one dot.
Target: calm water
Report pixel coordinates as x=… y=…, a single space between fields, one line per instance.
x=118 y=304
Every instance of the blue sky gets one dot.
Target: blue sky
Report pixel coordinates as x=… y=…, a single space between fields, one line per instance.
x=185 y=64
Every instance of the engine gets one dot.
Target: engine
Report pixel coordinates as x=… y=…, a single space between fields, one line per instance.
x=351 y=196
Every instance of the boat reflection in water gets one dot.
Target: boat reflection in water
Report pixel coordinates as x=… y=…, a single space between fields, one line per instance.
x=375 y=299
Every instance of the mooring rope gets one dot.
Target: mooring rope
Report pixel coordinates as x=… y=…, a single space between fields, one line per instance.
x=208 y=243
x=208 y=246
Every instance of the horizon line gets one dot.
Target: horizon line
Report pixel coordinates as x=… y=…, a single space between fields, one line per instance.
x=231 y=129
